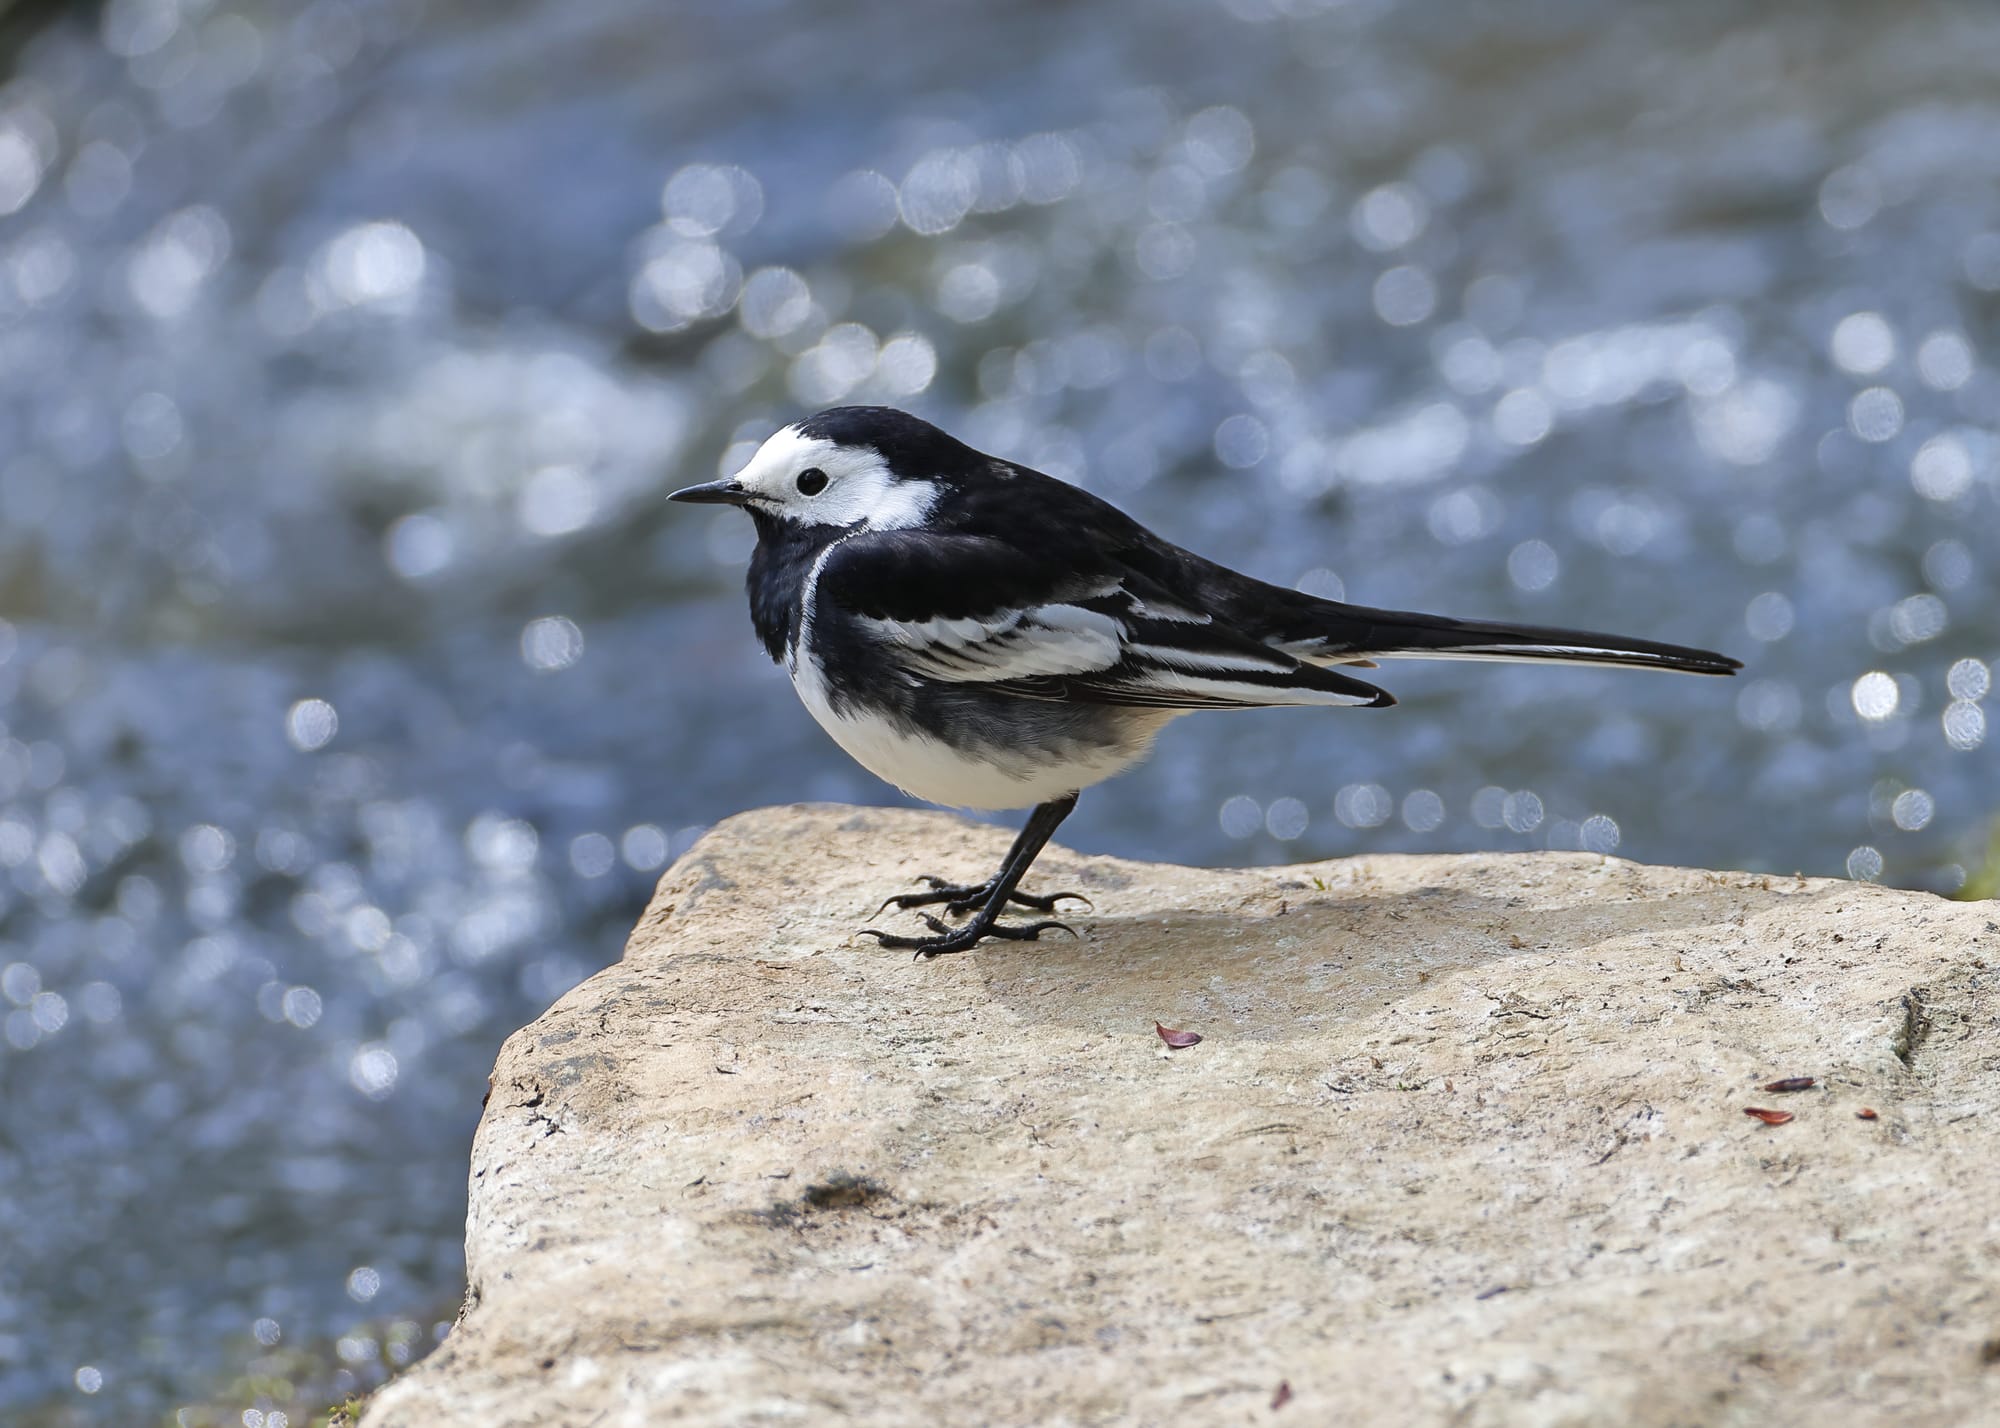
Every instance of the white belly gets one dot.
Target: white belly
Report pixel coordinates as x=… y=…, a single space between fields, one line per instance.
x=936 y=772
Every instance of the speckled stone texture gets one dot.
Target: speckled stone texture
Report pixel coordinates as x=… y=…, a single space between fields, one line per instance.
x=1464 y=1142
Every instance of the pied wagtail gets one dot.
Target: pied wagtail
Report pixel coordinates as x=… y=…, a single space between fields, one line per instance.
x=984 y=636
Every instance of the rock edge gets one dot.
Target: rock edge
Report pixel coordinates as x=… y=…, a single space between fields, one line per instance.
x=1463 y=1142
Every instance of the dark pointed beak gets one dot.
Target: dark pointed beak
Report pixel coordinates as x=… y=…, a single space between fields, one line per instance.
x=713 y=493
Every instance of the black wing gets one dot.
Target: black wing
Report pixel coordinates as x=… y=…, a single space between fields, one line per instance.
x=1314 y=630
x=1067 y=621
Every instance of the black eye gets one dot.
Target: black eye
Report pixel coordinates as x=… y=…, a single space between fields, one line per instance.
x=812 y=481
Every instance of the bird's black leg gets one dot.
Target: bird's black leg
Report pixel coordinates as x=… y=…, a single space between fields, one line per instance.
x=1041 y=824
x=961 y=898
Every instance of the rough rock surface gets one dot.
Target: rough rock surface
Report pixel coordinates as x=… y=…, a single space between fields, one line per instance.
x=1464 y=1142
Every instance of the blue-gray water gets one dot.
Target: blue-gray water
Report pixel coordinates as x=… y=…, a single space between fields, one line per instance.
x=356 y=681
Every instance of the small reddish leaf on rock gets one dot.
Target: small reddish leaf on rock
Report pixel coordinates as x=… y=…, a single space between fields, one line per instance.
x=1866 y=1113
x=1769 y=1118
x=1792 y=1083
x=1178 y=1040
x=1283 y=1395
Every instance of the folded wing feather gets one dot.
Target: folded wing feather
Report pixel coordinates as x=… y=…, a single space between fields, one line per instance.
x=970 y=610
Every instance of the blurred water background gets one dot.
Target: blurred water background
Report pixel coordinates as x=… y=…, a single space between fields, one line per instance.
x=356 y=682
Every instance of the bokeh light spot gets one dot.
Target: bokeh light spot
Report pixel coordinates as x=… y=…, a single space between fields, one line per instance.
x=1220 y=140
x=1533 y=565
x=906 y=364
x=301 y=1006
x=1863 y=343
x=1912 y=810
x=703 y=200
x=1768 y=617
x=1849 y=197
x=1522 y=417
x=418 y=546
x=1969 y=679
x=1599 y=834
x=372 y=1071
x=1241 y=441
x=310 y=725
x=1405 y=296
x=592 y=855
x=1389 y=217
x=938 y=192
x=1423 y=811
x=1363 y=805
x=1944 y=361
x=556 y=501
x=1240 y=816
x=644 y=848
x=1286 y=819
x=551 y=643
x=1745 y=424
x=1522 y=811
x=1941 y=470
x=1917 y=619
x=1875 y=696
x=1875 y=414
x=1964 y=724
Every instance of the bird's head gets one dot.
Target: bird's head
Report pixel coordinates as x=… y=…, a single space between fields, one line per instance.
x=847 y=466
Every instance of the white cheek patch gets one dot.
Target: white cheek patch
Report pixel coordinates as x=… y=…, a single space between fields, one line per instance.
x=877 y=498
x=859 y=485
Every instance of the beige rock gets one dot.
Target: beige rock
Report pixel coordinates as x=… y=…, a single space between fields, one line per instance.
x=1464 y=1142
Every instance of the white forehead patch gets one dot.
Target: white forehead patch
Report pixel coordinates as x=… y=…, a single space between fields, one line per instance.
x=859 y=485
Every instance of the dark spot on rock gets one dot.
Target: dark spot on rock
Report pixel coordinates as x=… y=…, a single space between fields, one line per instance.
x=841 y=1191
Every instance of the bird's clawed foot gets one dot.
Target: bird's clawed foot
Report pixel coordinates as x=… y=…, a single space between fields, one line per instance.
x=961 y=898
x=957 y=939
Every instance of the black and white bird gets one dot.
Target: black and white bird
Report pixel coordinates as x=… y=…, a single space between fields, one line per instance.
x=984 y=636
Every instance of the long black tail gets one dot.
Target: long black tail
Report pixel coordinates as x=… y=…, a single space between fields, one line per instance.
x=1355 y=632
